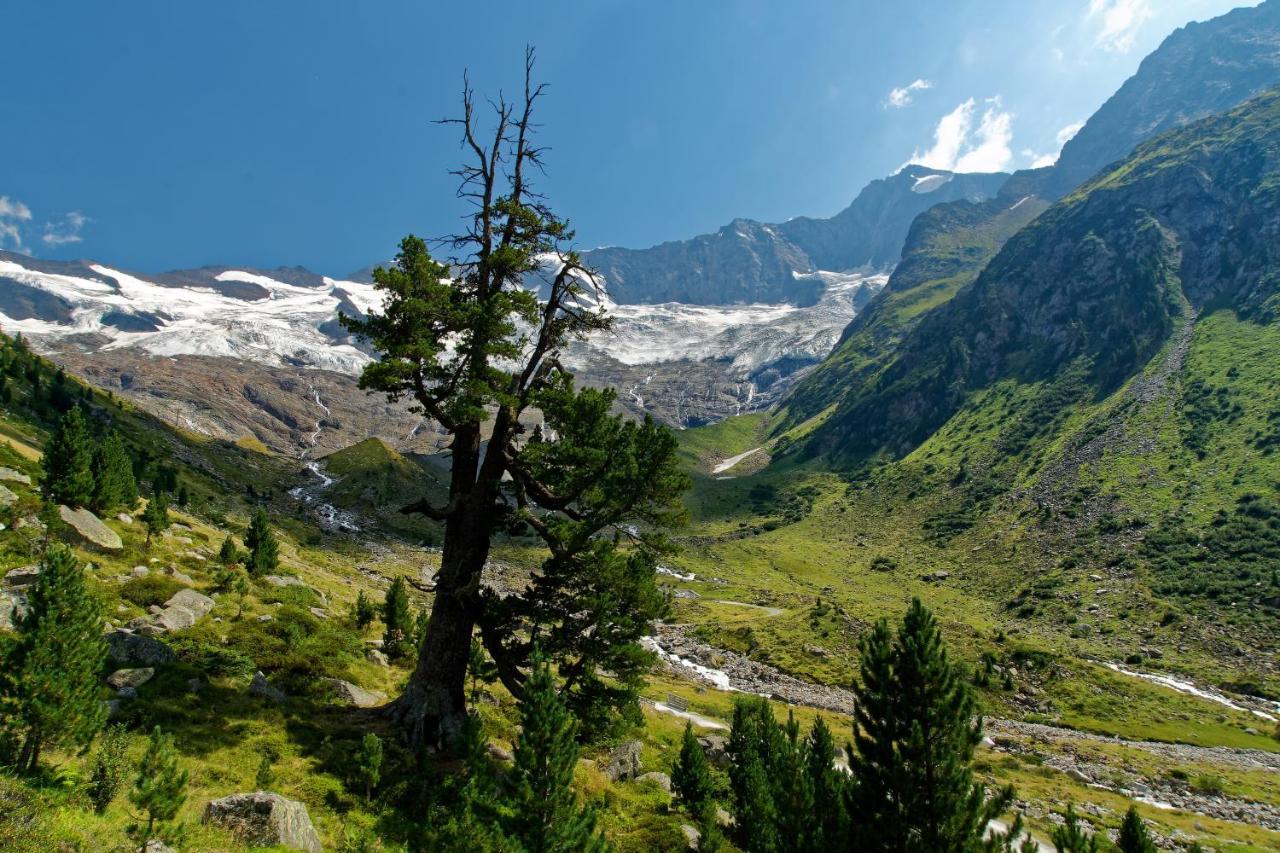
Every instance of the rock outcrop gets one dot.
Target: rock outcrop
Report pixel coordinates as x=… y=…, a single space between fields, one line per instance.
x=184 y=608
x=265 y=819
x=353 y=695
x=90 y=528
x=127 y=649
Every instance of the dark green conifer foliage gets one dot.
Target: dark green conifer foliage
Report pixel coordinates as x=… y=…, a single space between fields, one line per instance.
x=691 y=777
x=228 y=554
x=1134 y=837
x=110 y=768
x=364 y=611
x=68 y=462
x=830 y=787
x=915 y=736
x=397 y=635
x=544 y=814
x=1071 y=837
x=264 y=550
x=49 y=692
x=156 y=516
x=369 y=762
x=115 y=486
x=160 y=788
x=755 y=813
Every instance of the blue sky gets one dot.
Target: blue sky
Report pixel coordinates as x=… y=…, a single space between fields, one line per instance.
x=156 y=135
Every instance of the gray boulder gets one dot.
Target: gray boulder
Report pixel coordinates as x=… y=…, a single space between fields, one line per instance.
x=90 y=528
x=7 y=497
x=716 y=748
x=351 y=694
x=660 y=780
x=21 y=577
x=126 y=649
x=264 y=819
x=623 y=762
x=184 y=608
x=13 y=605
x=261 y=687
x=11 y=476
x=134 y=678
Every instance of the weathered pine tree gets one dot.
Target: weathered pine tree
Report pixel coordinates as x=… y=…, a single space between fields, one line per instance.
x=1070 y=837
x=542 y=810
x=156 y=515
x=397 y=621
x=49 y=691
x=915 y=735
x=115 y=486
x=476 y=348
x=264 y=550
x=160 y=788
x=68 y=462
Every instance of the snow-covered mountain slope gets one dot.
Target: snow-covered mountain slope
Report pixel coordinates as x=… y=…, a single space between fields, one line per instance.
x=258 y=337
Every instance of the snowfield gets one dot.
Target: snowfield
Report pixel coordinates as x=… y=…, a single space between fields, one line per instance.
x=286 y=327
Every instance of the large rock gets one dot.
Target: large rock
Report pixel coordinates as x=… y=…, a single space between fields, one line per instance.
x=623 y=762
x=264 y=819
x=351 y=694
x=23 y=576
x=127 y=649
x=184 y=608
x=660 y=780
x=11 y=476
x=716 y=748
x=7 y=497
x=90 y=528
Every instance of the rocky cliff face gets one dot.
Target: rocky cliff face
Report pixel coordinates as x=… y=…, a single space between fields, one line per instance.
x=746 y=261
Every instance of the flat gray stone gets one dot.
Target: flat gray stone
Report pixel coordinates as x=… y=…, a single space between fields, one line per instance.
x=21 y=577
x=131 y=677
x=7 y=497
x=90 y=528
x=11 y=476
x=13 y=605
x=660 y=780
x=623 y=762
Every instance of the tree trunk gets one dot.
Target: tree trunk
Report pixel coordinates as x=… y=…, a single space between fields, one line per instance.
x=433 y=708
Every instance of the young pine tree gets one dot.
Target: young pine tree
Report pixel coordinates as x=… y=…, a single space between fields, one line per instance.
x=1071 y=838
x=544 y=814
x=156 y=515
x=110 y=768
x=160 y=788
x=49 y=691
x=369 y=763
x=1134 y=837
x=691 y=776
x=228 y=554
x=68 y=462
x=115 y=486
x=364 y=611
x=264 y=550
x=751 y=738
x=397 y=636
x=830 y=787
x=915 y=736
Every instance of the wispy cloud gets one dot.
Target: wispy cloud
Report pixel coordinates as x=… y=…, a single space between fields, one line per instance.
x=902 y=96
x=66 y=230
x=1118 y=22
x=1064 y=136
x=12 y=213
x=963 y=142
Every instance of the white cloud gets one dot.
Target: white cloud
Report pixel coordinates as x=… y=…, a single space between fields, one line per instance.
x=13 y=209
x=65 y=231
x=1064 y=136
x=12 y=212
x=960 y=146
x=1118 y=22
x=900 y=97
